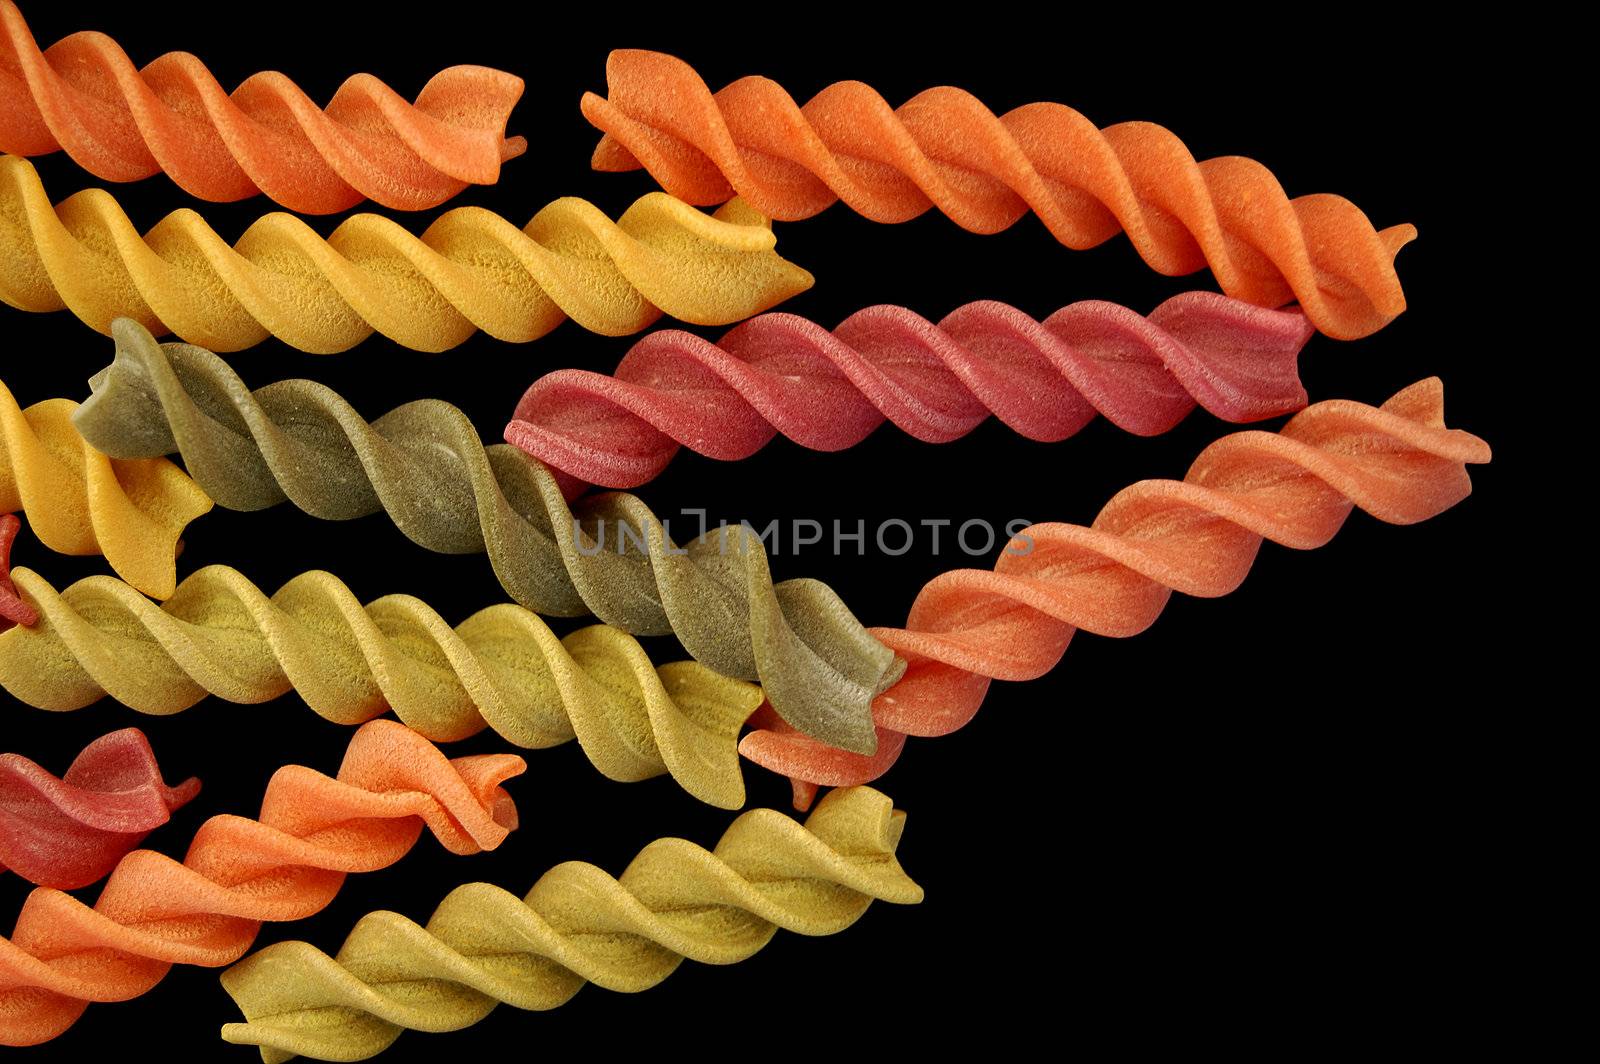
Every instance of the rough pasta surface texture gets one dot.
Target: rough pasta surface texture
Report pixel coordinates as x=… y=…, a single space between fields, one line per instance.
x=78 y=501
x=83 y=95
x=1198 y=536
x=502 y=668
x=313 y=831
x=943 y=148
x=423 y=464
x=484 y=946
x=13 y=609
x=71 y=831
x=782 y=374
x=471 y=269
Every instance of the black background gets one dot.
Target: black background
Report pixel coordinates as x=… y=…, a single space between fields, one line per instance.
x=1261 y=819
